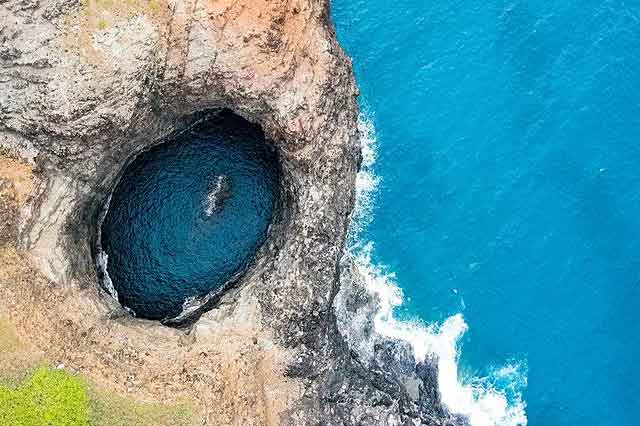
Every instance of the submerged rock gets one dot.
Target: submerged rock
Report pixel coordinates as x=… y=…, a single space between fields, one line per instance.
x=84 y=87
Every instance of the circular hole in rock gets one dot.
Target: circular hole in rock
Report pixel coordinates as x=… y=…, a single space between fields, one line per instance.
x=188 y=216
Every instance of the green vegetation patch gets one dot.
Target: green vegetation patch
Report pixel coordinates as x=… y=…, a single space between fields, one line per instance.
x=34 y=394
x=48 y=398
x=51 y=397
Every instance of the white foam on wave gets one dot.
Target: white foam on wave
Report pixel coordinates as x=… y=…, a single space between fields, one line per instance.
x=494 y=400
x=366 y=182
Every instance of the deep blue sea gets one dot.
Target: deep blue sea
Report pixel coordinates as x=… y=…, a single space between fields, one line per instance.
x=507 y=142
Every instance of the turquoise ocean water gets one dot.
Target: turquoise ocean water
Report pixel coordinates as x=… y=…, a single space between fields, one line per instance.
x=507 y=197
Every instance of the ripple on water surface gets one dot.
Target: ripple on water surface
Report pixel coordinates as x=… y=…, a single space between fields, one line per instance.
x=188 y=215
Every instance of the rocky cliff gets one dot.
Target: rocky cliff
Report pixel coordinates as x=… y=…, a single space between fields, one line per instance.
x=84 y=86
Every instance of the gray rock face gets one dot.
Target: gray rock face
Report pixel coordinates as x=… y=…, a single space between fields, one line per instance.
x=84 y=86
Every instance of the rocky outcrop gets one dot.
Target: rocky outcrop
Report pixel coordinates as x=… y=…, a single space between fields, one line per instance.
x=84 y=86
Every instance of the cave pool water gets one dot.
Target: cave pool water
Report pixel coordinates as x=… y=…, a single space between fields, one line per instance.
x=188 y=216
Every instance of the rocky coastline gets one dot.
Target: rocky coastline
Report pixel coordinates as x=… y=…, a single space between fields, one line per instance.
x=84 y=86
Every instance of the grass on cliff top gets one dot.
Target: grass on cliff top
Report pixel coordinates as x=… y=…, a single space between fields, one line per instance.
x=34 y=394
x=49 y=397
x=52 y=397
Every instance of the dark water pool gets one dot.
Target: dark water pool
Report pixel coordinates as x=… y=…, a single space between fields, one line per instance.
x=188 y=215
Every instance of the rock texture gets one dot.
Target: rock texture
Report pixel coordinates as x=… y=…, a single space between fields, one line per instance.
x=86 y=85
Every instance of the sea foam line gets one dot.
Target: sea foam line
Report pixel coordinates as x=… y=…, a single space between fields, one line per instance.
x=494 y=400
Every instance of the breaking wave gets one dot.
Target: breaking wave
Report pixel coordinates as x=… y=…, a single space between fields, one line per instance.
x=494 y=400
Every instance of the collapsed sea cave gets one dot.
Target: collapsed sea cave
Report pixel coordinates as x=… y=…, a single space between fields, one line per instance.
x=260 y=344
x=187 y=217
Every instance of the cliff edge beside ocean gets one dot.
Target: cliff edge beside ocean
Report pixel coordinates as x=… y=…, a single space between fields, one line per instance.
x=84 y=87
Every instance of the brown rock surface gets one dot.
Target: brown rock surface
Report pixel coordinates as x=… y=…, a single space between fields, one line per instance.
x=84 y=86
